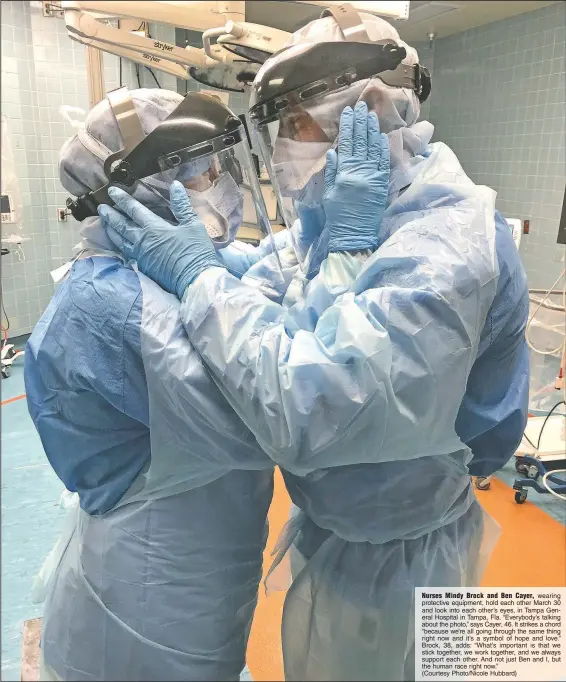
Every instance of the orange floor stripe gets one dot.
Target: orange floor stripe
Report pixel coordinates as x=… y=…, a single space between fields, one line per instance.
x=13 y=400
x=531 y=552
x=264 y=649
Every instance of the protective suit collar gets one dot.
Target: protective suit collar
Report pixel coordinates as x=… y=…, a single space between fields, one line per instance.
x=407 y=147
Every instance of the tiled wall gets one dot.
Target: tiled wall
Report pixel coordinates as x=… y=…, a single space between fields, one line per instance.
x=33 y=87
x=498 y=101
x=41 y=70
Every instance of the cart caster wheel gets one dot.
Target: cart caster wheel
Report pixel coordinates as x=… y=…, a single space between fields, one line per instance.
x=532 y=472
x=521 y=467
x=483 y=483
x=520 y=496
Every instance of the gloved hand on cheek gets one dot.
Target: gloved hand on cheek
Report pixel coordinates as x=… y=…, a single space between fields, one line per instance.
x=356 y=182
x=171 y=255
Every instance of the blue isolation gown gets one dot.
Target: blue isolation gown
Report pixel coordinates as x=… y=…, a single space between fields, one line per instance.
x=378 y=390
x=158 y=574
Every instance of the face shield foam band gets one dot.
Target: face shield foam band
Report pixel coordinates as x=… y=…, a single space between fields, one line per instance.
x=127 y=118
x=349 y=21
x=128 y=122
x=95 y=147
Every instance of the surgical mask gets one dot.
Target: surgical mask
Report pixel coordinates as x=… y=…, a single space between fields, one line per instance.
x=220 y=207
x=295 y=164
x=311 y=194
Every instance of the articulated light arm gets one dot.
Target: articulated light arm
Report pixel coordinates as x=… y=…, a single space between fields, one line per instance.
x=87 y=23
x=225 y=65
x=85 y=28
x=139 y=57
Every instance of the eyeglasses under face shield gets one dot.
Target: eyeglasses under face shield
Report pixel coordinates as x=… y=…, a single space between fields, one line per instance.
x=201 y=144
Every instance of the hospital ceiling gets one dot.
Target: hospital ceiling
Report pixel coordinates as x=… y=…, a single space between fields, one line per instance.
x=446 y=18
x=425 y=16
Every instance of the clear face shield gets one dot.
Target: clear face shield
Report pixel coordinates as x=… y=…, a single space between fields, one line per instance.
x=221 y=185
x=217 y=171
x=294 y=146
x=297 y=122
x=296 y=143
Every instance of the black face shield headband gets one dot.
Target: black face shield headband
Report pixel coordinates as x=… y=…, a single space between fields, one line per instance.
x=317 y=69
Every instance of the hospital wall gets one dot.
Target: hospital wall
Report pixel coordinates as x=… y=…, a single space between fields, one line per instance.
x=40 y=71
x=43 y=69
x=498 y=100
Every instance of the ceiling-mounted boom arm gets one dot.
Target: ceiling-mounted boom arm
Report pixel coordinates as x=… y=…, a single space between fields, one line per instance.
x=87 y=23
x=229 y=64
x=84 y=28
x=218 y=66
x=139 y=57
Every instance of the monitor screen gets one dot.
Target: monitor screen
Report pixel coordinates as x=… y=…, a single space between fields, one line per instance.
x=6 y=207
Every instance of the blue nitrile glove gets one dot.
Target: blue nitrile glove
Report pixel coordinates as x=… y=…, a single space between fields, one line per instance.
x=309 y=229
x=171 y=255
x=238 y=257
x=356 y=182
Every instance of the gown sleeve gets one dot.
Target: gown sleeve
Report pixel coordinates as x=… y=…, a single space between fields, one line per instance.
x=381 y=373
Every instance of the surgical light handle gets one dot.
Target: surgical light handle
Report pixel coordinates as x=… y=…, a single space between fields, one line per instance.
x=207 y=35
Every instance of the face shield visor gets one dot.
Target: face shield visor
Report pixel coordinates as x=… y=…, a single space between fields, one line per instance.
x=294 y=146
x=203 y=145
x=221 y=185
x=297 y=122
